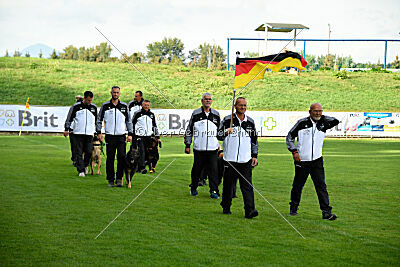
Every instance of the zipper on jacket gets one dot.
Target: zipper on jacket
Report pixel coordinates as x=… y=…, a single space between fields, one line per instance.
x=146 y=130
x=115 y=119
x=85 y=121
x=237 y=157
x=207 y=135
x=312 y=141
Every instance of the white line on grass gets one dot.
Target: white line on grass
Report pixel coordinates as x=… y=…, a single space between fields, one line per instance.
x=134 y=199
x=266 y=200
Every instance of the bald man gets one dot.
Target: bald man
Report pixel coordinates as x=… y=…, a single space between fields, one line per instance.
x=307 y=156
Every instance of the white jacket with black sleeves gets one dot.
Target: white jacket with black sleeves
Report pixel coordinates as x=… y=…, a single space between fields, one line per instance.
x=144 y=124
x=133 y=107
x=310 y=137
x=203 y=130
x=81 y=119
x=116 y=119
x=241 y=145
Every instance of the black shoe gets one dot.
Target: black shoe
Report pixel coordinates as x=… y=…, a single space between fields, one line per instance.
x=251 y=214
x=110 y=183
x=214 y=195
x=193 y=192
x=293 y=210
x=226 y=211
x=329 y=216
x=119 y=183
x=143 y=171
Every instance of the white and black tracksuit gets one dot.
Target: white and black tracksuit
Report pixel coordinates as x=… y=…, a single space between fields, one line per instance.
x=133 y=107
x=239 y=149
x=144 y=126
x=310 y=139
x=116 y=120
x=83 y=118
x=203 y=129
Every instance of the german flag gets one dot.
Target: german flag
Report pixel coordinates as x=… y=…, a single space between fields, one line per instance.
x=248 y=68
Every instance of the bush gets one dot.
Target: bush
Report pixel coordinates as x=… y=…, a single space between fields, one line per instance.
x=341 y=75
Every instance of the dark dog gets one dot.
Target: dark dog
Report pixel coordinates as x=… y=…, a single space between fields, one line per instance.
x=152 y=156
x=132 y=158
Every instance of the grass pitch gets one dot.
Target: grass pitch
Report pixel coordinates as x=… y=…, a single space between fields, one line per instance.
x=50 y=216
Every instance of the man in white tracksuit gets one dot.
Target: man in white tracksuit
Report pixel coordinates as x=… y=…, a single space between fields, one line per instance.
x=203 y=128
x=82 y=115
x=307 y=155
x=116 y=120
x=240 y=157
x=144 y=126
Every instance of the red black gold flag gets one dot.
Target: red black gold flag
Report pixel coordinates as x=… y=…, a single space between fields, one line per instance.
x=248 y=68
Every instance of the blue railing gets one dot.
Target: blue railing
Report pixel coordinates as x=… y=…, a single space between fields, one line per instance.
x=312 y=40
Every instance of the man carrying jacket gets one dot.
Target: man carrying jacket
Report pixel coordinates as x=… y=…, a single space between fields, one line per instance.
x=203 y=127
x=82 y=115
x=144 y=126
x=116 y=119
x=240 y=156
x=307 y=155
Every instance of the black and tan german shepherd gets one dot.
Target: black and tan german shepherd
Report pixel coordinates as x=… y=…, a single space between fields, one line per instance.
x=131 y=159
x=153 y=156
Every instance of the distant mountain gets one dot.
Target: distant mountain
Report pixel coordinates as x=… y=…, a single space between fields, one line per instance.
x=34 y=50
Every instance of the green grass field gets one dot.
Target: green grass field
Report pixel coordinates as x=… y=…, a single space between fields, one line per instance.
x=56 y=82
x=50 y=216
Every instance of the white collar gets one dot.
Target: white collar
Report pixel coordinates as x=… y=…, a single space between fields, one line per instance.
x=244 y=119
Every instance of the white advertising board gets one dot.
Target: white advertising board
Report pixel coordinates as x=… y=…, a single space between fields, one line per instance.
x=174 y=121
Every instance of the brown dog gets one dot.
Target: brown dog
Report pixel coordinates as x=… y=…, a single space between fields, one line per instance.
x=96 y=157
x=132 y=158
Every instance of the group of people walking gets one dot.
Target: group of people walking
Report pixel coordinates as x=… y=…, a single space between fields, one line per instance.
x=85 y=122
x=240 y=150
x=204 y=131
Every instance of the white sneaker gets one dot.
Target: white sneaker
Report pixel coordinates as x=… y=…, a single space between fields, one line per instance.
x=86 y=170
x=82 y=174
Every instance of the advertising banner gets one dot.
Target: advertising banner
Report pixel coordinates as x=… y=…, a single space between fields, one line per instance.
x=175 y=121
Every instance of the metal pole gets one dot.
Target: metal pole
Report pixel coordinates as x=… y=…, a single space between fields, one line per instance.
x=304 y=49
x=266 y=40
x=227 y=56
x=384 y=66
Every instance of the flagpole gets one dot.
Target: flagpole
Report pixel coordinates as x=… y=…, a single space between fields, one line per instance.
x=233 y=106
x=23 y=118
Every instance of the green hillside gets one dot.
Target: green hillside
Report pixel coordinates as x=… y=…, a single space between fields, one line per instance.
x=56 y=82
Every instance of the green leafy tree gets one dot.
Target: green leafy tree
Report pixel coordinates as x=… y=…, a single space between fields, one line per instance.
x=40 y=54
x=211 y=56
x=70 y=52
x=54 y=54
x=104 y=52
x=93 y=54
x=83 y=53
x=396 y=63
x=17 y=53
x=194 y=57
x=27 y=54
x=7 y=55
x=166 y=50
x=154 y=52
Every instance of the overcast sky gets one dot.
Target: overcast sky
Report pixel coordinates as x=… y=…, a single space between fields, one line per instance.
x=131 y=25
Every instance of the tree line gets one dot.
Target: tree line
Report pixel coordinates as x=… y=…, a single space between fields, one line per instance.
x=167 y=51
x=170 y=51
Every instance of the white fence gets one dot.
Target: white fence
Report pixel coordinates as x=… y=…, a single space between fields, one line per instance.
x=174 y=122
